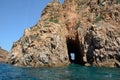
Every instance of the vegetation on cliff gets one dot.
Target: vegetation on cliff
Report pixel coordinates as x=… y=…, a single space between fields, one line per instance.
x=87 y=28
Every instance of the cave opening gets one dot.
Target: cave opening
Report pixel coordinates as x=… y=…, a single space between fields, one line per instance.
x=74 y=51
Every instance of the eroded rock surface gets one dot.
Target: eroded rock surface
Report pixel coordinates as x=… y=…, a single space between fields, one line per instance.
x=102 y=46
x=41 y=45
x=88 y=28
x=3 y=55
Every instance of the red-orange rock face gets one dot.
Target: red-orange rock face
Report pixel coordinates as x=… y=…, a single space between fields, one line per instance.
x=88 y=28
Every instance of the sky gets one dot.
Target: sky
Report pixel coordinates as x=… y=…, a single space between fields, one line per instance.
x=16 y=16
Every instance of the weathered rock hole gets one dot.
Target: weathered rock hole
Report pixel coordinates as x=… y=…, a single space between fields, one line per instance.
x=74 y=51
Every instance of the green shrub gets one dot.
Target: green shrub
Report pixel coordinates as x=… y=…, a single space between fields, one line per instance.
x=53 y=20
x=84 y=1
x=117 y=1
x=77 y=26
x=33 y=37
x=99 y=18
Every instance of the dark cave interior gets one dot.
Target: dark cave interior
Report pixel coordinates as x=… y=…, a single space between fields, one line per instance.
x=74 y=51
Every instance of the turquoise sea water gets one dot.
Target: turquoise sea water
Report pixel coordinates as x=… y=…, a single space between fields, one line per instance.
x=71 y=72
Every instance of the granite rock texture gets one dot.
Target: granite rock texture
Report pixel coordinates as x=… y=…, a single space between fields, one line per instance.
x=88 y=28
x=3 y=55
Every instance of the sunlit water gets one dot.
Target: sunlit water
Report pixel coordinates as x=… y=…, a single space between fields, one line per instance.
x=71 y=72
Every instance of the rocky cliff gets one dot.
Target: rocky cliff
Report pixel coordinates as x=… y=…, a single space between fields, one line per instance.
x=88 y=28
x=3 y=55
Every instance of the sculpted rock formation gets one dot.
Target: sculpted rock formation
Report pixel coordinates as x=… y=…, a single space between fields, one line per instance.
x=90 y=29
x=3 y=55
x=41 y=45
x=102 y=46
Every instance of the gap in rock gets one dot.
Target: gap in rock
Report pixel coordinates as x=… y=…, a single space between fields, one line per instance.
x=74 y=51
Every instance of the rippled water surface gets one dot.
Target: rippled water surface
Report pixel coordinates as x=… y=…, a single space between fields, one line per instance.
x=71 y=72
